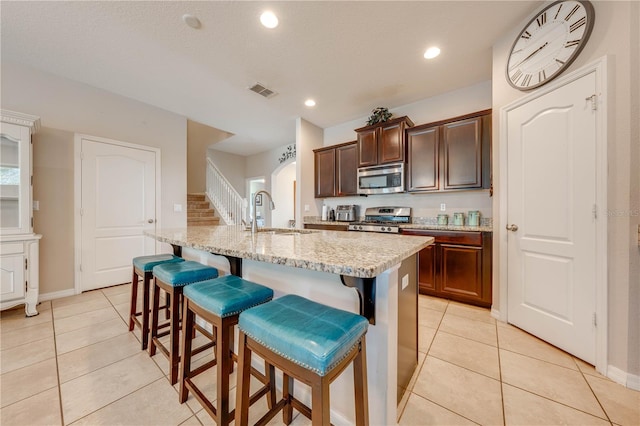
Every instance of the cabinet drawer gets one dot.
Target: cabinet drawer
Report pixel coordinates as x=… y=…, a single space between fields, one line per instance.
x=452 y=237
x=11 y=248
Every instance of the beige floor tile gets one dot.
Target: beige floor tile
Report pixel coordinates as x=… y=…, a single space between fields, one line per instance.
x=65 y=325
x=27 y=354
x=524 y=408
x=515 y=340
x=420 y=411
x=93 y=357
x=425 y=337
x=429 y=318
x=123 y=310
x=621 y=404
x=117 y=299
x=434 y=303
x=16 y=311
x=117 y=289
x=471 y=312
x=469 y=394
x=97 y=389
x=550 y=381
x=89 y=305
x=28 y=381
x=191 y=421
x=588 y=369
x=81 y=298
x=17 y=321
x=42 y=409
x=466 y=353
x=471 y=329
x=86 y=336
x=156 y=403
x=24 y=335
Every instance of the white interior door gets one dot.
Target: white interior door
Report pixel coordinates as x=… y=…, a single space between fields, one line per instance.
x=551 y=201
x=118 y=203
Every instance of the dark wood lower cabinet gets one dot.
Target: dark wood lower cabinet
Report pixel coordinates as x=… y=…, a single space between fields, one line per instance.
x=334 y=226
x=457 y=266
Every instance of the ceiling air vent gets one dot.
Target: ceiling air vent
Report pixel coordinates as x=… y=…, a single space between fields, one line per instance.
x=262 y=91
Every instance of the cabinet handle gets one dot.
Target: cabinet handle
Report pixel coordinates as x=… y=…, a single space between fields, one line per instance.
x=513 y=228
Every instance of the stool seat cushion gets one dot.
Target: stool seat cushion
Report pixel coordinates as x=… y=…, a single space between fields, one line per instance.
x=146 y=263
x=228 y=295
x=312 y=335
x=183 y=273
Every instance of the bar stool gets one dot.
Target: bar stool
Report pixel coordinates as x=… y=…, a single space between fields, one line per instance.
x=143 y=267
x=219 y=302
x=310 y=342
x=172 y=278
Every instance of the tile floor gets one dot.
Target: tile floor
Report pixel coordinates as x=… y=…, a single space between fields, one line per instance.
x=76 y=363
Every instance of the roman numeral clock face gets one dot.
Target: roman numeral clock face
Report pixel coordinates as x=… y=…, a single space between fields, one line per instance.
x=549 y=43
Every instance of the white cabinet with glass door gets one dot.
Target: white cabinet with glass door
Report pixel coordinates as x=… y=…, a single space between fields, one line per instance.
x=19 y=278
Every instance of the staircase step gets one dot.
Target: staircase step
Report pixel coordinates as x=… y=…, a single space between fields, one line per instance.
x=196 y=197
x=198 y=205
x=202 y=221
x=201 y=213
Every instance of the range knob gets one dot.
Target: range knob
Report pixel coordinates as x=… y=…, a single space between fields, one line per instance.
x=389 y=229
x=360 y=227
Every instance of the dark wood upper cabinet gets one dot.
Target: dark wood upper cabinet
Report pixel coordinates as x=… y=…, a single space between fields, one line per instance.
x=423 y=147
x=383 y=142
x=453 y=154
x=346 y=170
x=336 y=169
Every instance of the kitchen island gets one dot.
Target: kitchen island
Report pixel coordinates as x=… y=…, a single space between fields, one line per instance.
x=326 y=266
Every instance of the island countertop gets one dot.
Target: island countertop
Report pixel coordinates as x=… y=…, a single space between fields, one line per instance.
x=356 y=254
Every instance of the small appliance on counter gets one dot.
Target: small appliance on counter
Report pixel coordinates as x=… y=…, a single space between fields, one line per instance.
x=347 y=213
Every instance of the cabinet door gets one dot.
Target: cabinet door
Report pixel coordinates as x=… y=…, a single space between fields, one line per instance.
x=423 y=147
x=427 y=270
x=347 y=170
x=368 y=147
x=391 y=144
x=462 y=144
x=325 y=169
x=461 y=272
x=12 y=277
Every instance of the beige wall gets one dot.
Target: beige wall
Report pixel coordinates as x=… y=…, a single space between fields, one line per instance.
x=66 y=107
x=615 y=34
x=308 y=138
x=199 y=138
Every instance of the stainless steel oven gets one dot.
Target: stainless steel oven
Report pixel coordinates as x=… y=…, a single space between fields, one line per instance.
x=383 y=179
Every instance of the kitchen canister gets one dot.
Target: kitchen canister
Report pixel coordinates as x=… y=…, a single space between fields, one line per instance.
x=458 y=219
x=443 y=219
x=473 y=218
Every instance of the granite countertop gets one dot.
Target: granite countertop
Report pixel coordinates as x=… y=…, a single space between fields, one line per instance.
x=435 y=227
x=356 y=254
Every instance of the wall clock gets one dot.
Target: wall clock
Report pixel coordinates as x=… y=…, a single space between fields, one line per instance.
x=549 y=43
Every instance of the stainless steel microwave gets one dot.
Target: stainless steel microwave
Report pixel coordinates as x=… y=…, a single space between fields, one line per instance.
x=383 y=179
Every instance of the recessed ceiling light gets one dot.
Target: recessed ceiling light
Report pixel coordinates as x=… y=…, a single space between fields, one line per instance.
x=191 y=21
x=310 y=103
x=431 y=52
x=269 y=19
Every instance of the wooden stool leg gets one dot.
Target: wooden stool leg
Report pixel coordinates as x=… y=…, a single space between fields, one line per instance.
x=287 y=394
x=146 y=288
x=222 y=381
x=187 y=340
x=360 y=384
x=244 y=380
x=154 y=319
x=174 y=331
x=134 y=299
x=270 y=373
x=320 y=402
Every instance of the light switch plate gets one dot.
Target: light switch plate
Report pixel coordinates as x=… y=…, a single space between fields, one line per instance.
x=443 y=207
x=405 y=281
x=36 y=205
x=306 y=207
x=177 y=207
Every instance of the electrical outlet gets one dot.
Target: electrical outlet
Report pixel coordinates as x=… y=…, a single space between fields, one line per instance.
x=36 y=205
x=306 y=207
x=177 y=207
x=443 y=207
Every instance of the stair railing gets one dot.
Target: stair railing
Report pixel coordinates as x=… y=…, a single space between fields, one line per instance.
x=231 y=207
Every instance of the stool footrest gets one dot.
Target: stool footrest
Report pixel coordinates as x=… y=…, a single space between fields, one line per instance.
x=203 y=348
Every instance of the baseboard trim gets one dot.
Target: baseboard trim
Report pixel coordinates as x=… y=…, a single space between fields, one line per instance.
x=43 y=297
x=631 y=381
x=496 y=314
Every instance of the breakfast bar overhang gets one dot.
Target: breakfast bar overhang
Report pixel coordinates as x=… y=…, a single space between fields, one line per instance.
x=324 y=266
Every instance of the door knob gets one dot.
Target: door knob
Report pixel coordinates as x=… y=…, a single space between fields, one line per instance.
x=150 y=221
x=513 y=228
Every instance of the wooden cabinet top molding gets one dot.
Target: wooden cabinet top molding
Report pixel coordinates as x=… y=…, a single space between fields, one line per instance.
x=324 y=148
x=392 y=122
x=450 y=120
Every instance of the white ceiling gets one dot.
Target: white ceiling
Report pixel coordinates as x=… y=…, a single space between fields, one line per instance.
x=349 y=56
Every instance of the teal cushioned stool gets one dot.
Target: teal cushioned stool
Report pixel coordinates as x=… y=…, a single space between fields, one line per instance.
x=172 y=278
x=143 y=267
x=310 y=342
x=220 y=302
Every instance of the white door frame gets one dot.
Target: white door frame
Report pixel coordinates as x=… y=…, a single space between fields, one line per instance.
x=600 y=67
x=77 y=194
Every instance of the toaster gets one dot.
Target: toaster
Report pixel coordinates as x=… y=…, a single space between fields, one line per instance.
x=347 y=213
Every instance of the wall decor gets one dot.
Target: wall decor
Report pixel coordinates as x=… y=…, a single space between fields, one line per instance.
x=379 y=115
x=290 y=152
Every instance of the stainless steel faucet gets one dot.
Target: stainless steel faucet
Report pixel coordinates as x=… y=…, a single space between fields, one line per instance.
x=272 y=206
